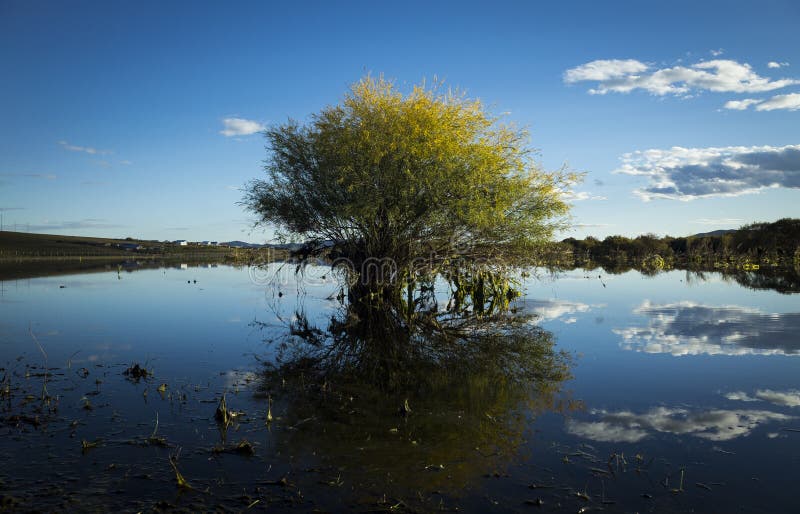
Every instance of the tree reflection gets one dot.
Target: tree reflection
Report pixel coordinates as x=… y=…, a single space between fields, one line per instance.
x=430 y=399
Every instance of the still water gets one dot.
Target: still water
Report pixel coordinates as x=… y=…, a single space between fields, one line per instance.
x=682 y=394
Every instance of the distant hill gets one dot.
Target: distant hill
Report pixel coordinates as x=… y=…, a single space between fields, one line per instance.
x=276 y=246
x=243 y=244
x=715 y=233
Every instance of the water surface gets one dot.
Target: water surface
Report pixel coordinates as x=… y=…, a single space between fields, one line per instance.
x=672 y=376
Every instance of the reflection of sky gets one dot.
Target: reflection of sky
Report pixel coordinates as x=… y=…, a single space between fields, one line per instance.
x=713 y=424
x=549 y=310
x=690 y=328
x=746 y=345
x=193 y=329
x=789 y=398
x=158 y=316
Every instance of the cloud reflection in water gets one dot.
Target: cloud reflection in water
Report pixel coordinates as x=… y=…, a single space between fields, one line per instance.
x=713 y=424
x=688 y=328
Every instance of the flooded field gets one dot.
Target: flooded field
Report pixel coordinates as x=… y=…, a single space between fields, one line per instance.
x=156 y=390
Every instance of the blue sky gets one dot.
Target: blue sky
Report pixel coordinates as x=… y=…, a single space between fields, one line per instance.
x=685 y=116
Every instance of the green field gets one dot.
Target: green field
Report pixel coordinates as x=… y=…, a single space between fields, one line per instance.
x=15 y=245
x=25 y=255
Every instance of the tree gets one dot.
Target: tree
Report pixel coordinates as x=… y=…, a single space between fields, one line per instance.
x=399 y=178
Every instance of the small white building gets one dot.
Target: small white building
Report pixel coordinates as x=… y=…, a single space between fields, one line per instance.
x=181 y=242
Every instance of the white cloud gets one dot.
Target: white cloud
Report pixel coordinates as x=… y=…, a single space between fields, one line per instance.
x=790 y=102
x=688 y=328
x=579 y=196
x=606 y=432
x=718 y=75
x=240 y=127
x=741 y=105
x=775 y=64
x=718 y=221
x=717 y=52
x=690 y=173
x=604 y=70
x=740 y=396
x=714 y=424
x=547 y=310
x=784 y=398
x=86 y=149
x=789 y=398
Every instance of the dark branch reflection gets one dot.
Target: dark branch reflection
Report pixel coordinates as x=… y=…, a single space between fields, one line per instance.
x=434 y=400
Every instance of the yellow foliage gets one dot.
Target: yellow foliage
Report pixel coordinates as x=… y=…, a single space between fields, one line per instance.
x=404 y=175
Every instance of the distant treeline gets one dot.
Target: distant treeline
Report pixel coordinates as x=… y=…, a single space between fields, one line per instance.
x=750 y=247
x=21 y=246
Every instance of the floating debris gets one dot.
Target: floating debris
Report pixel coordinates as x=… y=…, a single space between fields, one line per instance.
x=5 y=390
x=283 y=482
x=336 y=482
x=137 y=372
x=156 y=440
x=182 y=482
x=88 y=445
x=703 y=486
x=599 y=471
x=222 y=414
x=405 y=409
x=680 y=486
x=243 y=447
